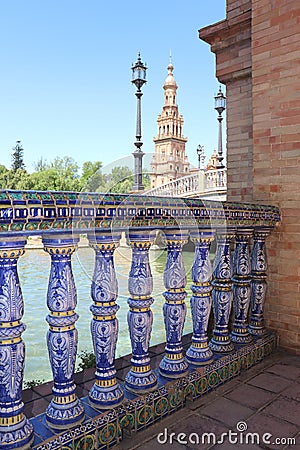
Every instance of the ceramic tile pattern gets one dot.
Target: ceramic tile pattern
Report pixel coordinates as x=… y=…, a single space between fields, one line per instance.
x=139 y=413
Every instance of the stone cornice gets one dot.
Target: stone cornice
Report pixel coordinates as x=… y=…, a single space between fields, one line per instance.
x=226 y=38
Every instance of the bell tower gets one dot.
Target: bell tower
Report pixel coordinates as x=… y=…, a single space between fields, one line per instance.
x=169 y=161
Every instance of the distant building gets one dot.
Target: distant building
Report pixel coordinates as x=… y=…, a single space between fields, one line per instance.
x=170 y=160
x=212 y=162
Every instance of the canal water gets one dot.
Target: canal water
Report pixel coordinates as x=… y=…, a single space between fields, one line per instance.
x=34 y=269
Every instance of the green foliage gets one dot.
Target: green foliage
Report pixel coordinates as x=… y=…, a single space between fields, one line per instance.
x=119 y=180
x=30 y=384
x=146 y=180
x=62 y=174
x=59 y=175
x=88 y=360
x=41 y=165
x=17 y=157
x=3 y=176
x=15 y=179
x=91 y=178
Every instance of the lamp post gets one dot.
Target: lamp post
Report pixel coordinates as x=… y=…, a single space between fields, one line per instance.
x=201 y=157
x=138 y=79
x=220 y=106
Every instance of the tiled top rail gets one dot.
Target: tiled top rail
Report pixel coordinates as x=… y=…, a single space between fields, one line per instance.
x=34 y=212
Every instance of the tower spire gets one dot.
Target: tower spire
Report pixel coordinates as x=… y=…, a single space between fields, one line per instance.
x=170 y=160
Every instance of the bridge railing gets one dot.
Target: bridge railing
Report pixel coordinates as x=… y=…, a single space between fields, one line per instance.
x=60 y=218
x=196 y=183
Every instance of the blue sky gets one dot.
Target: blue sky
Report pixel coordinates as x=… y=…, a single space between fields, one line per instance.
x=65 y=79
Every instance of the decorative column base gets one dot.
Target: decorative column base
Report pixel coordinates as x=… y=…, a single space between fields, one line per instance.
x=257 y=328
x=221 y=344
x=173 y=366
x=105 y=394
x=65 y=414
x=141 y=379
x=199 y=354
x=15 y=436
x=240 y=336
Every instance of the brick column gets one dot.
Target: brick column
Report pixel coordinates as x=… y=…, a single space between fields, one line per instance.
x=230 y=40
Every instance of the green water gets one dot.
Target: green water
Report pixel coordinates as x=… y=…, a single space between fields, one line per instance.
x=34 y=269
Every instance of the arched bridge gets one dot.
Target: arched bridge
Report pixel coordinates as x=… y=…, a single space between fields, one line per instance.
x=208 y=184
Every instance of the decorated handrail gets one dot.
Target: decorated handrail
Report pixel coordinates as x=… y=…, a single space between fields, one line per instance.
x=60 y=218
x=33 y=212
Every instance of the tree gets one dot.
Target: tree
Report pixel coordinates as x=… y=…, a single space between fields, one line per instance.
x=41 y=165
x=92 y=177
x=16 y=179
x=3 y=176
x=59 y=175
x=120 y=180
x=17 y=157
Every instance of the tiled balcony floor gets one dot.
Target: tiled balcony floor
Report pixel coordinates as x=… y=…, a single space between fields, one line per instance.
x=266 y=397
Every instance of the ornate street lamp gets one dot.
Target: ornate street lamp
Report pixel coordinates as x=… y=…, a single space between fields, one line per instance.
x=220 y=106
x=200 y=153
x=139 y=79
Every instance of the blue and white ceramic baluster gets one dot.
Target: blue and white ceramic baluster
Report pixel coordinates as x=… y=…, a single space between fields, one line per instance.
x=65 y=409
x=15 y=430
x=241 y=287
x=106 y=392
x=259 y=265
x=140 y=378
x=199 y=352
x=173 y=364
x=222 y=294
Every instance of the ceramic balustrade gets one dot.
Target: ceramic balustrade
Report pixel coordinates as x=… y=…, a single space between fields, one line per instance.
x=241 y=287
x=15 y=429
x=173 y=364
x=259 y=265
x=199 y=352
x=60 y=218
x=222 y=293
x=65 y=410
x=140 y=378
x=106 y=391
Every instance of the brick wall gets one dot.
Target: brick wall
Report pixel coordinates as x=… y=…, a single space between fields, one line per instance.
x=230 y=40
x=258 y=58
x=276 y=153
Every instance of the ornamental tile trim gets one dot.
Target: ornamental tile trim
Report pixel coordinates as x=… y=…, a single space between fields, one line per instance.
x=31 y=212
x=146 y=409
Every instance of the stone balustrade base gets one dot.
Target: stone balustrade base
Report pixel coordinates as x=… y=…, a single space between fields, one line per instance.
x=105 y=429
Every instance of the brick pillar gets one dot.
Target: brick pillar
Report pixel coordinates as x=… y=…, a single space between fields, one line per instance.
x=276 y=154
x=230 y=40
x=257 y=57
